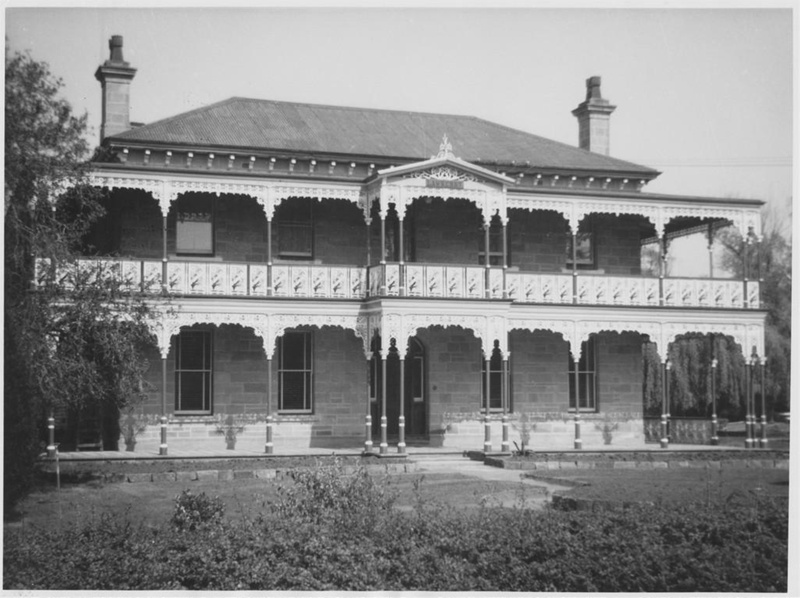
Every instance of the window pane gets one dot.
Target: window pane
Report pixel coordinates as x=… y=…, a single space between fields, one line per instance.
x=194 y=390
x=192 y=351
x=294 y=351
x=293 y=390
x=195 y=237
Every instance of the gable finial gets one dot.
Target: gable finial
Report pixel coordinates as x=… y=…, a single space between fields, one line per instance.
x=445 y=148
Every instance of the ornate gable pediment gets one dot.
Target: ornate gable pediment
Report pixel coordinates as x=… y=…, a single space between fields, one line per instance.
x=444 y=171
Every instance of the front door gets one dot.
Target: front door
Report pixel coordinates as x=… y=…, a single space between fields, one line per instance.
x=415 y=400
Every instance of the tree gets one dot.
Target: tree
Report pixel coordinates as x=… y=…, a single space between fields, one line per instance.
x=72 y=340
x=690 y=355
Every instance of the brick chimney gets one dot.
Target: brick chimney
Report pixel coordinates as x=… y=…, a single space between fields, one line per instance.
x=593 y=119
x=115 y=77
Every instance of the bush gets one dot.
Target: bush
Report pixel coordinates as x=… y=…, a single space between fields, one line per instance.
x=192 y=511
x=335 y=530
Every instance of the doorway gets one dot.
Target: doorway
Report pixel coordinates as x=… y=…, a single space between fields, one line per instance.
x=415 y=401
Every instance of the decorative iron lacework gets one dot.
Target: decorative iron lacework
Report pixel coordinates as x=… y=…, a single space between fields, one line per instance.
x=441 y=173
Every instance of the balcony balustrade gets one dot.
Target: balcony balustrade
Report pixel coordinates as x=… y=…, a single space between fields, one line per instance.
x=231 y=279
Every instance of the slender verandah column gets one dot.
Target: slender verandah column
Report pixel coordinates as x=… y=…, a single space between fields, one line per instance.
x=487 y=264
x=487 y=426
x=575 y=281
x=714 y=420
x=505 y=446
x=762 y=367
x=368 y=418
x=746 y=269
x=384 y=448
x=664 y=392
x=662 y=266
x=505 y=259
x=164 y=256
x=51 y=435
x=576 y=358
x=748 y=418
x=383 y=253
x=268 y=445
x=401 y=257
x=401 y=429
x=269 y=257
x=162 y=449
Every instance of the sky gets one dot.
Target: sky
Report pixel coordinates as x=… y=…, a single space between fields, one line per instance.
x=703 y=94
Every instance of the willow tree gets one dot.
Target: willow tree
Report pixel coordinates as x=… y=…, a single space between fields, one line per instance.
x=70 y=341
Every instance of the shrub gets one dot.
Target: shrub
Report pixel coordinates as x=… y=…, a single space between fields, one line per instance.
x=194 y=510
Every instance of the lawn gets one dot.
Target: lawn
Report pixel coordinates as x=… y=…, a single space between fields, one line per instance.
x=329 y=529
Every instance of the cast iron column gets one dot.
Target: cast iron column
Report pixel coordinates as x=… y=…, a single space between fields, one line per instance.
x=575 y=282
x=368 y=419
x=383 y=254
x=384 y=442
x=505 y=446
x=164 y=257
x=401 y=257
x=762 y=367
x=714 y=421
x=162 y=449
x=269 y=257
x=487 y=425
x=268 y=446
x=746 y=269
x=662 y=266
x=664 y=438
x=748 y=418
x=576 y=358
x=51 y=436
x=505 y=259
x=487 y=264
x=401 y=429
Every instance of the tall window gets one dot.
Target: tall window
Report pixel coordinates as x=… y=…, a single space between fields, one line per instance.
x=495 y=381
x=495 y=244
x=587 y=374
x=295 y=228
x=585 y=247
x=194 y=227
x=193 y=372
x=295 y=373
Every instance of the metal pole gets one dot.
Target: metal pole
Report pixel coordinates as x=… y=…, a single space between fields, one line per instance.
x=505 y=446
x=368 y=419
x=748 y=418
x=746 y=260
x=269 y=257
x=402 y=259
x=401 y=444
x=487 y=426
x=669 y=401
x=268 y=445
x=164 y=257
x=714 y=421
x=763 y=443
x=505 y=259
x=383 y=254
x=711 y=250
x=662 y=267
x=578 y=444
x=162 y=449
x=488 y=290
x=384 y=442
x=51 y=435
x=664 y=438
x=575 y=282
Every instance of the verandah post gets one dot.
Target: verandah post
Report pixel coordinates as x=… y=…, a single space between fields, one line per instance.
x=384 y=448
x=576 y=358
x=402 y=291
x=368 y=418
x=714 y=421
x=487 y=426
x=51 y=435
x=505 y=445
x=487 y=261
x=575 y=280
x=269 y=447
x=664 y=391
x=505 y=259
x=164 y=256
x=401 y=444
x=269 y=257
x=762 y=367
x=162 y=449
x=748 y=418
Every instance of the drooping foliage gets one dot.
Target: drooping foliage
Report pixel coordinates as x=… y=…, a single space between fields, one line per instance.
x=72 y=334
x=690 y=355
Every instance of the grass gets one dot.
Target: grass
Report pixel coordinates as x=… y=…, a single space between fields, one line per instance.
x=153 y=503
x=674 y=485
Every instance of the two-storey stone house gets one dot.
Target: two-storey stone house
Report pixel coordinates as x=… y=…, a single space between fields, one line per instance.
x=346 y=277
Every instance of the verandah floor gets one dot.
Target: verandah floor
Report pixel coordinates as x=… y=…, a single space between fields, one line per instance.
x=411 y=451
